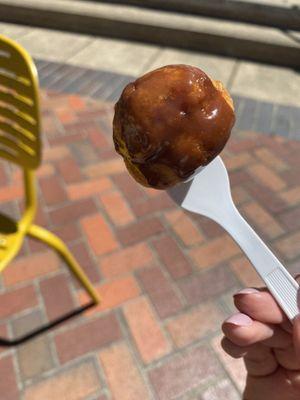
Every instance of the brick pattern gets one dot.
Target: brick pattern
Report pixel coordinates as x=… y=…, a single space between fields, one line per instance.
x=184 y=372
x=146 y=331
x=215 y=252
x=245 y=272
x=140 y=231
x=99 y=235
x=32 y=367
x=235 y=367
x=223 y=390
x=78 y=382
x=166 y=277
x=53 y=190
x=113 y=293
x=122 y=373
x=86 y=260
x=184 y=227
x=161 y=291
x=172 y=257
x=29 y=267
x=8 y=382
x=17 y=300
x=62 y=302
x=87 y=337
x=194 y=324
x=126 y=260
x=207 y=285
x=117 y=209
x=262 y=220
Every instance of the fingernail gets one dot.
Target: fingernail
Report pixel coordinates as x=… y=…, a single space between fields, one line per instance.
x=239 y=320
x=246 y=291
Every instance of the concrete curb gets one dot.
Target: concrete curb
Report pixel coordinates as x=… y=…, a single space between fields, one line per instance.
x=166 y=29
x=284 y=16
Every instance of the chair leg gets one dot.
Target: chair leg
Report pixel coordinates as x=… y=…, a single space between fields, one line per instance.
x=56 y=243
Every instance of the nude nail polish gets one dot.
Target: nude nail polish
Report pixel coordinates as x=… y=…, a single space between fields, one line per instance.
x=246 y=291
x=239 y=320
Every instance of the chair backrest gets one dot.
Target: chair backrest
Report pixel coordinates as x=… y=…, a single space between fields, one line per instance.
x=19 y=106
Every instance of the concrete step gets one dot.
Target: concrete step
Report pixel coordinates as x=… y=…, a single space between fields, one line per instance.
x=240 y=40
x=284 y=14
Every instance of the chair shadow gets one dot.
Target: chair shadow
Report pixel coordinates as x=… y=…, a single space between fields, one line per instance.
x=46 y=327
x=7 y=225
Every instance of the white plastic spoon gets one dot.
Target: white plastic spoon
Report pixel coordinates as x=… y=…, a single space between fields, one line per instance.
x=208 y=194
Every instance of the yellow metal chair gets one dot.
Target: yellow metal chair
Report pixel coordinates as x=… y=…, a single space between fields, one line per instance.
x=20 y=143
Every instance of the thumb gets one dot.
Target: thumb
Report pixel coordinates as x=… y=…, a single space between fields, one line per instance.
x=296 y=335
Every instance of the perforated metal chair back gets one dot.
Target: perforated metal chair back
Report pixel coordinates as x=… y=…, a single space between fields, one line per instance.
x=19 y=106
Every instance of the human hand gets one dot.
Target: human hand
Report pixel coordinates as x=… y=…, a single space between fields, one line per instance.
x=269 y=344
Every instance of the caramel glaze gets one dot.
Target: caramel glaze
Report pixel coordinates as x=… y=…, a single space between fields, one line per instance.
x=169 y=122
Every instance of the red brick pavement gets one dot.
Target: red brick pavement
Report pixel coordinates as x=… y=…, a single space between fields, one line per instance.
x=166 y=277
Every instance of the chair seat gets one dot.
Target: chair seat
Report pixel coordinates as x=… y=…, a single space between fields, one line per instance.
x=11 y=239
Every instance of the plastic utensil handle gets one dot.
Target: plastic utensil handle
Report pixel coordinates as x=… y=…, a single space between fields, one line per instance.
x=280 y=283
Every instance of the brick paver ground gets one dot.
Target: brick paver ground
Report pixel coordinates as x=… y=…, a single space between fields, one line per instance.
x=166 y=277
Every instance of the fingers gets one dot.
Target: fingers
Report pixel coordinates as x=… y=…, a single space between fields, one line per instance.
x=293 y=378
x=259 y=360
x=287 y=326
x=232 y=349
x=259 y=305
x=281 y=385
x=296 y=335
x=288 y=358
x=244 y=331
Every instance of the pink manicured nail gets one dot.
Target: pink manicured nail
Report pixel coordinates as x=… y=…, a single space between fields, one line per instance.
x=239 y=320
x=246 y=291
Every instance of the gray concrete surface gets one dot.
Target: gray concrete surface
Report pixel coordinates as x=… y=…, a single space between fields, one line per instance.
x=220 y=68
x=115 y=55
x=279 y=85
x=274 y=13
x=194 y=32
x=14 y=31
x=53 y=45
x=257 y=81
